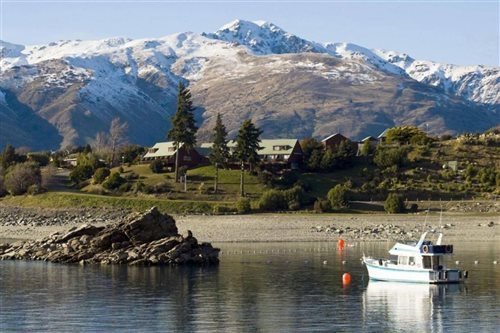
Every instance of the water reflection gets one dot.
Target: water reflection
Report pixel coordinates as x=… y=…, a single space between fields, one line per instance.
x=406 y=306
x=257 y=288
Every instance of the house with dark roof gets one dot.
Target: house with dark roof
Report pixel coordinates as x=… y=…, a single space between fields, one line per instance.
x=333 y=141
x=166 y=152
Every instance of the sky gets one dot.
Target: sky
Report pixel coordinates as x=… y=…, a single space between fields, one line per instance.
x=456 y=32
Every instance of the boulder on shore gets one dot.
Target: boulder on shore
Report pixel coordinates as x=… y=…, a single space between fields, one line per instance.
x=150 y=238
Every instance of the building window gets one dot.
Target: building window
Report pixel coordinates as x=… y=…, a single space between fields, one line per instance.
x=278 y=148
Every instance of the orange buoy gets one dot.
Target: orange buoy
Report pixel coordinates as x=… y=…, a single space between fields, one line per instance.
x=346 y=278
x=341 y=243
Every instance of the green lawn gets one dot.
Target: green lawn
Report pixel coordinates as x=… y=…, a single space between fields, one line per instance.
x=200 y=183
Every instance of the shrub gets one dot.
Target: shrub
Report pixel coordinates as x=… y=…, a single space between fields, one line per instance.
x=156 y=166
x=3 y=191
x=81 y=173
x=387 y=157
x=34 y=189
x=114 y=181
x=131 y=176
x=321 y=206
x=272 y=200
x=406 y=135
x=41 y=158
x=21 y=176
x=281 y=200
x=138 y=187
x=161 y=187
x=243 y=206
x=221 y=210
x=394 y=204
x=413 y=208
x=337 y=196
x=100 y=175
x=125 y=187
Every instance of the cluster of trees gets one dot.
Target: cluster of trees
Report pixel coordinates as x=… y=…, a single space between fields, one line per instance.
x=316 y=158
x=20 y=173
x=183 y=132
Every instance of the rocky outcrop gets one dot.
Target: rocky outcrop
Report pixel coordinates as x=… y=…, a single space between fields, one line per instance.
x=150 y=238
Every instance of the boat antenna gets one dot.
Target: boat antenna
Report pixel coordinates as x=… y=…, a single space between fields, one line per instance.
x=440 y=213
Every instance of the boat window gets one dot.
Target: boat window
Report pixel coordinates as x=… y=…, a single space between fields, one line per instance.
x=435 y=263
x=403 y=260
x=411 y=260
x=426 y=260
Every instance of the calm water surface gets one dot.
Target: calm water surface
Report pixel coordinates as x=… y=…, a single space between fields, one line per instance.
x=283 y=287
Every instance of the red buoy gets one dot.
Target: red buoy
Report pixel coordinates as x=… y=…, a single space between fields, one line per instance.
x=346 y=278
x=341 y=244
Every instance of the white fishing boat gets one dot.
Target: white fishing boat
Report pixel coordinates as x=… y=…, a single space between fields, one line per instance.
x=422 y=262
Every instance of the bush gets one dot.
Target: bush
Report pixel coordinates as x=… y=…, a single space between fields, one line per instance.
x=221 y=210
x=413 y=208
x=272 y=200
x=114 y=181
x=42 y=159
x=3 y=191
x=156 y=166
x=322 y=206
x=100 y=175
x=131 y=176
x=282 y=200
x=81 y=173
x=34 y=189
x=138 y=187
x=243 y=206
x=337 y=196
x=125 y=187
x=161 y=187
x=394 y=204
x=387 y=157
x=21 y=176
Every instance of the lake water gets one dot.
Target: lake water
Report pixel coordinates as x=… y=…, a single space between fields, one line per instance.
x=284 y=287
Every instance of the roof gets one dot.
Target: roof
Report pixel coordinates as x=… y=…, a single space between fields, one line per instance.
x=369 y=138
x=269 y=146
x=161 y=149
x=383 y=134
x=331 y=136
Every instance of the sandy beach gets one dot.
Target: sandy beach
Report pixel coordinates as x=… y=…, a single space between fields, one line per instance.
x=295 y=227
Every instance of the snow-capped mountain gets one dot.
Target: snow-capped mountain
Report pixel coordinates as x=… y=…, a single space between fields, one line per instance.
x=263 y=38
x=480 y=84
x=70 y=90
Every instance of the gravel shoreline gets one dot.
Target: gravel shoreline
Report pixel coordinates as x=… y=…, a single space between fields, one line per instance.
x=35 y=223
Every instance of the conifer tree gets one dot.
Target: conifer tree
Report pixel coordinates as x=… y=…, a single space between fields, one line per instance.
x=220 y=151
x=183 y=131
x=247 y=147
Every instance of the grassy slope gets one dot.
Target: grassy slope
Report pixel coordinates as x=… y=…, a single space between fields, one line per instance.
x=415 y=183
x=68 y=200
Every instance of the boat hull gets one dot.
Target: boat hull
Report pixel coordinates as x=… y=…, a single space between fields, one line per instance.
x=382 y=271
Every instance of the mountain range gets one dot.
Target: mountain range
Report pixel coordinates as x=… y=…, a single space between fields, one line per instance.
x=62 y=93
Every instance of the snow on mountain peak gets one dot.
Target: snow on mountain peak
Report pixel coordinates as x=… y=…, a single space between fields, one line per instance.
x=263 y=38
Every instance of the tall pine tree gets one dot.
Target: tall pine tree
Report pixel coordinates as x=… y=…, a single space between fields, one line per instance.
x=183 y=131
x=247 y=147
x=220 y=151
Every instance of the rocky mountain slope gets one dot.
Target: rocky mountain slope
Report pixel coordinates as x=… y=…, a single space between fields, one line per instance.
x=63 y=93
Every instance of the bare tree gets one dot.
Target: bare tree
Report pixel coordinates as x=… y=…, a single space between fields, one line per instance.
x=117 y=137
x=101 y=143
